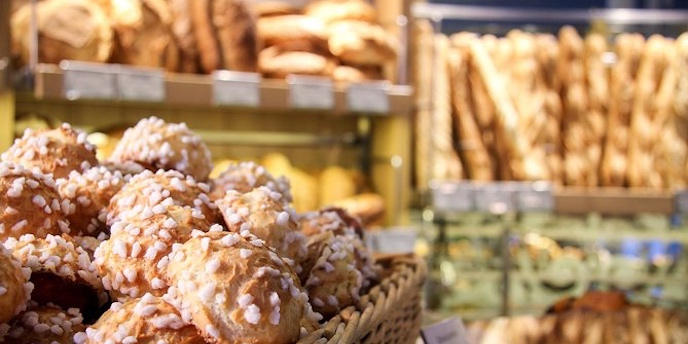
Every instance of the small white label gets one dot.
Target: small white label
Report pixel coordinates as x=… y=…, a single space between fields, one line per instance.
x=368 y=97
x=236 y=88
x=457 y=197
x=535 y=197
x=82 y=80
x=311 y=92
x=449 y=331
x=140 y=84
x=681 y=201
x=495 y=198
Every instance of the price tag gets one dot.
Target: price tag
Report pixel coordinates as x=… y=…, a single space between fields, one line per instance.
x=535 y=198
x=236 y=88
x=83 y=80
x=457 y=197
x=140 y=84
x=368 y=97
x=311 y=92
x=495 y=198
x=681 y=202
x=449 y=331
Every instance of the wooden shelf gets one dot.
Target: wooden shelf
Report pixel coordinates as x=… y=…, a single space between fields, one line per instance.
x=196 y=90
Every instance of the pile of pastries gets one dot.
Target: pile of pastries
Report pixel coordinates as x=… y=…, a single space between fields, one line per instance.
x=337 y=38
x=146 y=247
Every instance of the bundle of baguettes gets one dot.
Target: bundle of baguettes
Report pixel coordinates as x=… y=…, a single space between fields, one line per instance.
x=628 y=49
x=652 y=102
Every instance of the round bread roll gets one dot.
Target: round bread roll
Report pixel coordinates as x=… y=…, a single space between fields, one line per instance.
x=236 y=290
x=361 y=43
x=90 y=193
x=275 y=30
x=330 y=275
x=150 y=190
x=226 y=34
x=15 y=288
x=45 y=324
x=143 y=35
x=146 y=320
x=332 y=219
x=89 y=243
x=330 y=11
x=57 y=151
x=61 y=272
x=275 y=63
x=357 y=74
x=246 y=176
x=132 y=262
x=126 y=168
x=67 y=29
x=263 y=213
x=159 y=145
x=30 y=203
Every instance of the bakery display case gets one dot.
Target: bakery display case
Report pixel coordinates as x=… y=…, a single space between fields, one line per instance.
x=549 y=163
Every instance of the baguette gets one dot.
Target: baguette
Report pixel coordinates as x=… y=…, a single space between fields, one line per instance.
x=597 y=81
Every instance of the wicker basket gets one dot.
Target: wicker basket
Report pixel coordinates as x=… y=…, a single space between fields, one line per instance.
x=391 y=312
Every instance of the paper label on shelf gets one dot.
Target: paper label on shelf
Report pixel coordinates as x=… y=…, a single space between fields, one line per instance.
x=236 y=88
x=681 y=201
x=535 y=200
x=140 y=84
x=368 y=97
x=311 y=92
x=495 y=198
x=456 y=197
x=449 y=331
x=82 y=80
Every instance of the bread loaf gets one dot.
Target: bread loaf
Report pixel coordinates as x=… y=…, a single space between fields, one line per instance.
x=681 y=99
x=67 y=29
x=182 y=29
x=361 y=43
x=276 y=30
x=274 y=62
x=476 y=157
x=622 y=81
x=226 y=34
x=655 y=88
x=597 y=81
x=356 y=73
x=422 y=74
x=330 y=11
x=570 y=68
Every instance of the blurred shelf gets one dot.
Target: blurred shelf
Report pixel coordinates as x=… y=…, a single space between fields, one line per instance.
x=195 y=90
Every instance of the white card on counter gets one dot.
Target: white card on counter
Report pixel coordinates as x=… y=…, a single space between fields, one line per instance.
x=449 y=331
x=83 y=80
x=234 y=88
x=311 y=92
x=140 y=84
x=368 y=97
x=495 y=198
x=535 y=200
x=458 y=197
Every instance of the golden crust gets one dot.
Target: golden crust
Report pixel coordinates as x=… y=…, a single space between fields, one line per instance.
x=69 y=30
x=294 y=27
x=45 y=324
x=332 y=280
x=132 y=262
x=57 y=151
x=236 y=290
x=274 y=63
x=244 y=177
x=61 y=271
x=161 y=145
x=15 y=288
x=361 y=43
x=330 y=11
x=30 y=203
x=147 y=320
x=90 y=193
x=263 y=213
x=148 y=190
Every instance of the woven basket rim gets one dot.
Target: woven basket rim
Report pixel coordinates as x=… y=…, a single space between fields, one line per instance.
x=406 y=277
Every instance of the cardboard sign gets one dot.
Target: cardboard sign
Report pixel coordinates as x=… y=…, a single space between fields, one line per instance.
x=449 y=331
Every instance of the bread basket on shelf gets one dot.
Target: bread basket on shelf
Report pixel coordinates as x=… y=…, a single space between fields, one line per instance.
x=391 y=312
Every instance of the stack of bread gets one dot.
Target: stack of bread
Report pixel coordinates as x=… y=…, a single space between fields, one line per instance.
x=147 y=247
x=573 y=110
x=595 y=317
x=333 y=38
